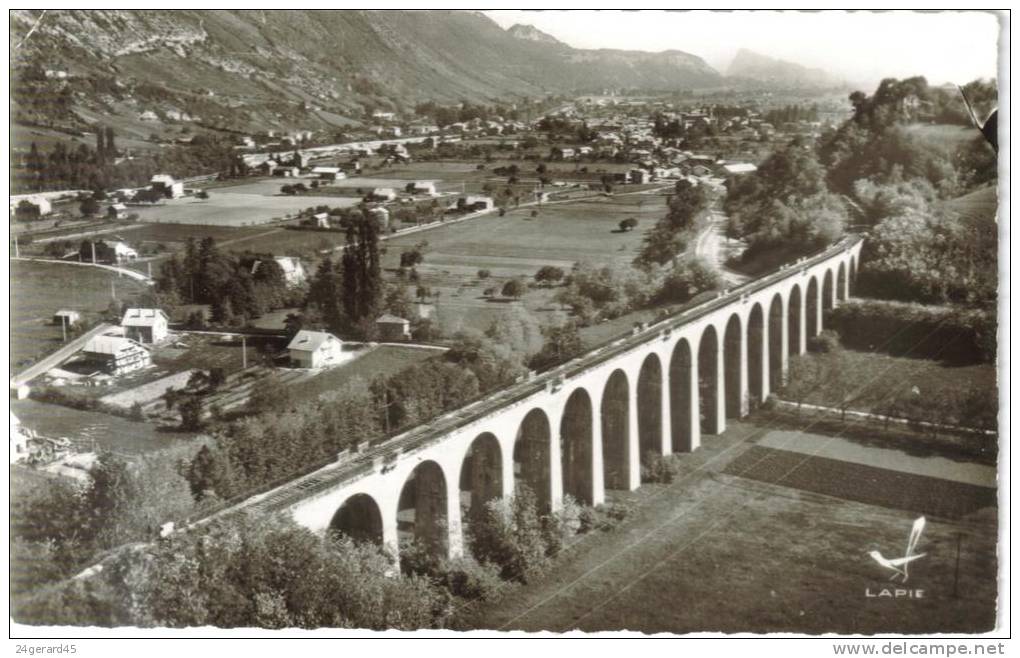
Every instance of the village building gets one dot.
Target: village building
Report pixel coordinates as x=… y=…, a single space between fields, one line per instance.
x=314 y=349
x=562 y=153
x=739 y=168
x=145 y=325
x=321 y=219
x=384 y=194
x=66 y=317
x=19 y=441
x=423 y=187
x=123 y=252
x=41 y=203
x=390 y=328
x=117 y=211
x=293 y=270
x=639 y=176
x=329 y=173
x=474 y=202
x=166 y=185
x=116 y=355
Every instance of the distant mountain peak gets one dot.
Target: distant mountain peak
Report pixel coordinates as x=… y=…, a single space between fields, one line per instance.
x=756 y=67
x=532 y=33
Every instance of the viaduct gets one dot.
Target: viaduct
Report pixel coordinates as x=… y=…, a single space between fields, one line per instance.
x=582 y=427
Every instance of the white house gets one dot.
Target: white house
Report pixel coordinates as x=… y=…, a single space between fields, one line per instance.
x=117 y=355
x=314 y=349
x=329 y=173
x=384 y=194
x=66 y=317
x=123 y=251
x=293 y=270
x=118 y=211
x=424 y=187
x=167 y=185
x=146 y=325
x=739 y=168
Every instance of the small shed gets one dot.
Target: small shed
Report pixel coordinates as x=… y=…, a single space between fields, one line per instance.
x=390 y=327
x=66 y=317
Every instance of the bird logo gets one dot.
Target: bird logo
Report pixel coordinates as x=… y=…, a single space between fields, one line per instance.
x=899 y=565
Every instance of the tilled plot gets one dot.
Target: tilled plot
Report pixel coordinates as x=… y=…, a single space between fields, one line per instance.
x=865 y=484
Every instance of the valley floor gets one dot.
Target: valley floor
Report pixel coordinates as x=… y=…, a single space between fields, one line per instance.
x=755 y=538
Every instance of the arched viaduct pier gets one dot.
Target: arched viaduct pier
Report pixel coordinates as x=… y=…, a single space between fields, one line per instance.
x=582 y=427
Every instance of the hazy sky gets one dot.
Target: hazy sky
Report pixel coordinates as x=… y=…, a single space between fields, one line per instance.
x=861 y=47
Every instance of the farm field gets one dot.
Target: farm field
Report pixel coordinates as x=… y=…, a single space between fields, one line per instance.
x=517 y=245
x=731 y=546
x=40 y=289
x=890 y=376
x=107 y=431
x=246 y=204
x=379 y=361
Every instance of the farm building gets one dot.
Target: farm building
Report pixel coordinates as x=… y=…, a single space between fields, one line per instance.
x=423 y=187
x=116 y=355
x=146 y=325
x=329 y=173
x=287 y=171
x=562 y=153
x=117 y=211
x=475 y=203
x=41 y=203
x=321 y=219
x=293 y=270
x=123 y=252
x=384 y=194
x=739 y=168
x=66 y=317
x=314 y=349
x=165 y=184
x=391 y=327
x=639 y=176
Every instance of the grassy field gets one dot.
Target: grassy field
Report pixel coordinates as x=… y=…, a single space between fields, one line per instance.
x=108 y=432
x=381 y=361
x=38 y=290
x=230 y=207
x=886 y=376
x=517 y=245
x=717 y=551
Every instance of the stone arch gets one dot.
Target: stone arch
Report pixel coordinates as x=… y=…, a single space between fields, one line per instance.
x=775 y=346
x=649 y=407
x=852 y=280
x=532 y=455
x=615 y=413
x=755 y=354
x=421 y=510
x=481 y=473
x=841 y=283
x=680 y=392
x=794 y=315
x=827 y=291
x=732 y=340
x=708 y=381
x=576 y=442
x=811 y=308
x=360 y=519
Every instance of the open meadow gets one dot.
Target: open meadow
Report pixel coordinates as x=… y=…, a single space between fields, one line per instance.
x=517 y=245
x=38 y=290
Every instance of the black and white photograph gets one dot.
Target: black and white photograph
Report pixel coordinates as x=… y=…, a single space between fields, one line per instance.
x=509 y=323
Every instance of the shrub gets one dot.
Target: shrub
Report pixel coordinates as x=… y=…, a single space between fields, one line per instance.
x=469 y=579
x=825 y=342
x=509 y=534
x=659 y=468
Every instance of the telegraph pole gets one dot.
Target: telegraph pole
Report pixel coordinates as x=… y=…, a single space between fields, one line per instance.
x=16 y=254
x=244 y=352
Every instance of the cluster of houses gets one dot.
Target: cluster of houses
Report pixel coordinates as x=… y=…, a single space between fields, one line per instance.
x=126 y=348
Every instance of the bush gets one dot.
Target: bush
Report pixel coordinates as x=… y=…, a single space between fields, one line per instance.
x=659 y=468
x=467 y=578
x=826 y=342
x=950 y=333
x=509 y=534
